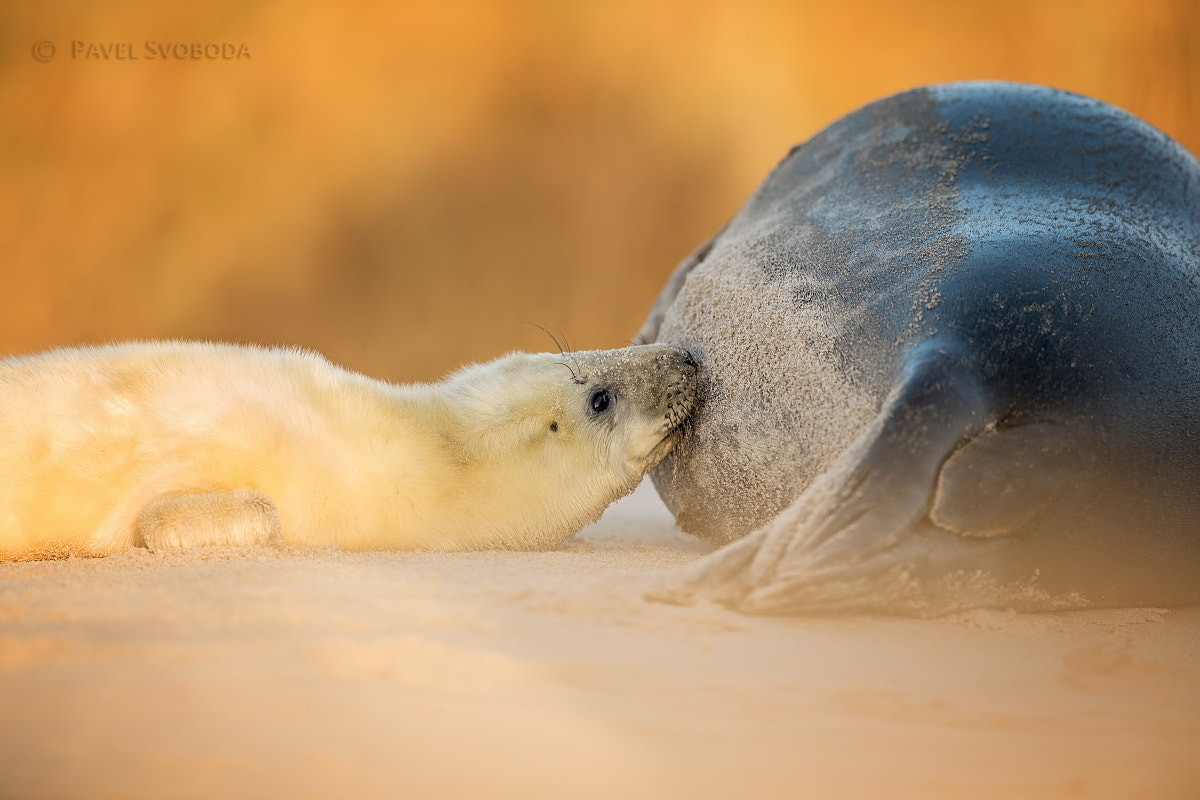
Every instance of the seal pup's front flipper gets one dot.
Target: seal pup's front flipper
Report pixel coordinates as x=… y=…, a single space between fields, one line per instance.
x=854 y=521
x=241 y=517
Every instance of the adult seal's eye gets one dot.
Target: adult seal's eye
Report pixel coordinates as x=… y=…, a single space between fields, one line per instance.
x=600 y=401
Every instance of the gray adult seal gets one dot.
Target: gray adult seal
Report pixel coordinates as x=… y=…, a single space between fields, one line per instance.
x=951 y=356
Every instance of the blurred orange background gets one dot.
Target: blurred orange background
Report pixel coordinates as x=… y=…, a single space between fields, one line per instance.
x=403 y=186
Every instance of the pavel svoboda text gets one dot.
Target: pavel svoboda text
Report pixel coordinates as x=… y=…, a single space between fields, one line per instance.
x=152 y=51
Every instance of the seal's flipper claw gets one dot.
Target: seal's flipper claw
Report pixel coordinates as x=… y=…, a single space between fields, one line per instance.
x=719 y=576
x=870 y=581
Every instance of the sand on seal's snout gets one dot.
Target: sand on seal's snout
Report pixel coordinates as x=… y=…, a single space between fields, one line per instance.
x=319 y=673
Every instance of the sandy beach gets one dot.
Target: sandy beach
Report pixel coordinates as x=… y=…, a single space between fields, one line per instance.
x=318 y=673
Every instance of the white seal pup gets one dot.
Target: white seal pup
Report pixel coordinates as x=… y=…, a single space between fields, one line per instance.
x=166 y=444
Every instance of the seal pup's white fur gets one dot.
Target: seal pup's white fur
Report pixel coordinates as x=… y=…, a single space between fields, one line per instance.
x=176 y=444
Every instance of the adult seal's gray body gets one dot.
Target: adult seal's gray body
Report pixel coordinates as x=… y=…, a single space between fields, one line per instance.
x=952 y=359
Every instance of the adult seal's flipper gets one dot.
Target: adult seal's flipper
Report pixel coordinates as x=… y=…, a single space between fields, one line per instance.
x=863 y=524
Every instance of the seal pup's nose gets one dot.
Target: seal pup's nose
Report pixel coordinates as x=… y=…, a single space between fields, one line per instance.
x=679 y=360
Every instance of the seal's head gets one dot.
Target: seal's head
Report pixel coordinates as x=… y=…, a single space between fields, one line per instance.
x=549 y=440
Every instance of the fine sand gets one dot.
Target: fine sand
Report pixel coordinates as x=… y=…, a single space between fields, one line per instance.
x=317 y=673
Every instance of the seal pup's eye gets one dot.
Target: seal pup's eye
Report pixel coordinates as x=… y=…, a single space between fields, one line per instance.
x=600 y=401
x=554 y=427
